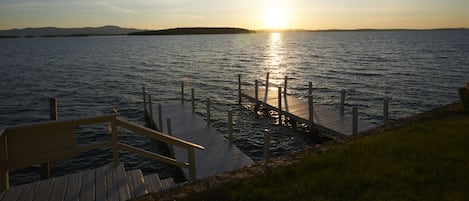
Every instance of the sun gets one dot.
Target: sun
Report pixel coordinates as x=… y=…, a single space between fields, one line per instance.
x=275 y=17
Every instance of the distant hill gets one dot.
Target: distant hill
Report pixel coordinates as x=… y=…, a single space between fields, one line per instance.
x=55 y=32
x=194 y=30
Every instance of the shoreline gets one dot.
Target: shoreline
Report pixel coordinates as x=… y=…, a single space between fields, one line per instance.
x=51 y=32
x=225 y=180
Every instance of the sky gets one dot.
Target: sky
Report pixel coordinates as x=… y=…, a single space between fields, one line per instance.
x=250 y=14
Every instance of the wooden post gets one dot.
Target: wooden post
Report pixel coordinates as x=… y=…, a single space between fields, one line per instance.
x=45 y=167
x=230 y=126
x=266 y=144
x=208 y=112
x=256 y=95
x=4 y=173
x=193 y=101
x=182 y=92
x=170 y=132
x=168 y=127
x=266 y=88
x=285 y=95
x=355 y=120
x=150 y=105
x=285 y=86
x=144 y=102
x=280 y=105
x=53 y=109
x=192 y=169
x=160 y=117
x=310 y=88
x=342 y=102
x=115 y=140
x=239 y=89
x=311 y=112
x=386 y=110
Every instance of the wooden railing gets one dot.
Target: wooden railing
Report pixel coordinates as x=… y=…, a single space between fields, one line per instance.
x=40 y=143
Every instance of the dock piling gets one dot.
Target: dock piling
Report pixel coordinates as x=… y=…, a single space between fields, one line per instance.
x=160 y=117
x=280 y=105
x=355 y=121
x=208 y=112
x=342 y=102
x=192 y=168
x=266 y=144
x=170 y=132
x=266 y=88
x=285 y=86
x=285 y=96
x=150 y=105
x=115 y=139
x=239 y=89
x=4 y=172
x=169 y=129
x=310 y=88
x=144 y=101
x=53 y=109
x=230 y=126
x=182 y=92
x=193 y=101
x=45 y=167
x=256 y=94
x=386 y=110
x=311 y=112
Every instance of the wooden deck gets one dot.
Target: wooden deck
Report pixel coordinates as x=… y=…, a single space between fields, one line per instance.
x=107 y=183
x=219 y=155
x=332 y=122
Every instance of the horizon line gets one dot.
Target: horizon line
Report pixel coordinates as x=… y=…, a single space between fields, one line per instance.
x=261 y=29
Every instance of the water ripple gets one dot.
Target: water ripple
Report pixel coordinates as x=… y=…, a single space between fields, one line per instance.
x=90 y=75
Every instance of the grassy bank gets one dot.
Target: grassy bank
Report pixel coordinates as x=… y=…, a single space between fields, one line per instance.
x=427 y=160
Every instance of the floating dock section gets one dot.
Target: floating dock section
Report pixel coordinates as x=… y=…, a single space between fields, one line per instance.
x=180 y=121
x=334 y=123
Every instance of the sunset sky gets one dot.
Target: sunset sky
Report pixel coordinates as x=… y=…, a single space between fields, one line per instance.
x=262 y=14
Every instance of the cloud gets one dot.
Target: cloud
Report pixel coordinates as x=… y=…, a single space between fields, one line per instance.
x=118 y=9
x=110 y=6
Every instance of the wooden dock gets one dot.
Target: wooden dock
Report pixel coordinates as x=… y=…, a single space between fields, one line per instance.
x=334 y=123
x=219 y=155
x=27 y=145
x=101 y=184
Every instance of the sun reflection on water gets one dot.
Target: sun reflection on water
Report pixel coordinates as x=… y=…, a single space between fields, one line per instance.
x=274 y=59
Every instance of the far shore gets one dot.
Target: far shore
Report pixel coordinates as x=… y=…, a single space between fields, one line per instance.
x=118 y=31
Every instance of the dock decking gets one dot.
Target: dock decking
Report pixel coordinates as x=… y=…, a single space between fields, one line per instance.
x=332 y=122
x=101 y=184
x=219 y=155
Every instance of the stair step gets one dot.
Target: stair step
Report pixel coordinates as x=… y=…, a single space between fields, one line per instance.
x=122 y=183
x=168 y=183
x=153 y=183
x=103 y=183
x=136 y=183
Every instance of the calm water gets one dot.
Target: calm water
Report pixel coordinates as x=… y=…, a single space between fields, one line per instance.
x=419 y=70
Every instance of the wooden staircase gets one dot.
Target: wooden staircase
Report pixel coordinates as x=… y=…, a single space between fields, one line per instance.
x=107 y=183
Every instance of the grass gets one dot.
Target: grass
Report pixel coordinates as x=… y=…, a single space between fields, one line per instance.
x=423 y=161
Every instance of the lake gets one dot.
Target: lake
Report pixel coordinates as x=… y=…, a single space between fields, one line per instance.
x=418 y=70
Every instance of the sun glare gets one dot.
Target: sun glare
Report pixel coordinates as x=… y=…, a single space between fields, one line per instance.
x=275 y=17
